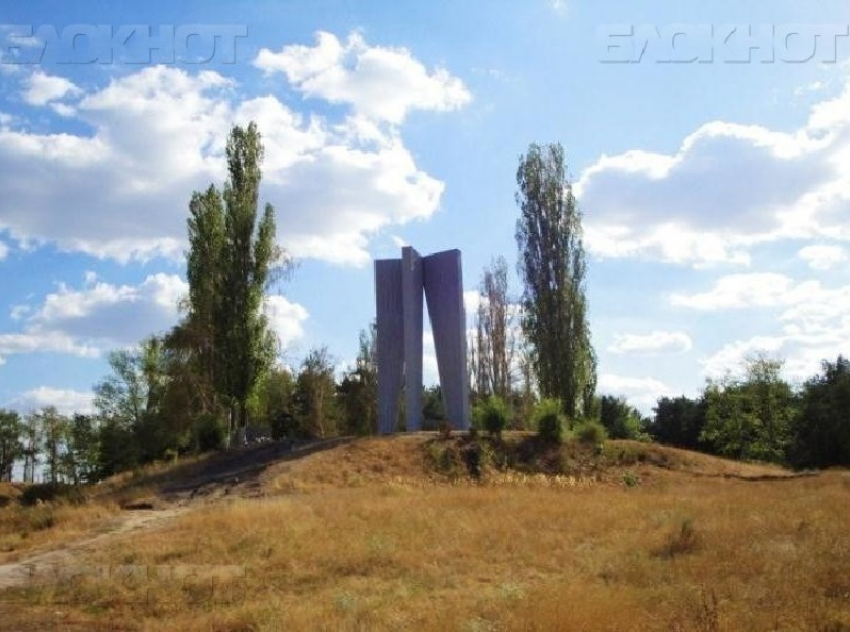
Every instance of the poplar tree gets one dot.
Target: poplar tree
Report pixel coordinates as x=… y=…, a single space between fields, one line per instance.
x=231 y=261
x=553 y=266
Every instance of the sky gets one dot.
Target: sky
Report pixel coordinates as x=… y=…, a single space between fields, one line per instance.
x=708 y=145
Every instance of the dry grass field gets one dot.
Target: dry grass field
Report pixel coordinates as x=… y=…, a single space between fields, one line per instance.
x=379 y=534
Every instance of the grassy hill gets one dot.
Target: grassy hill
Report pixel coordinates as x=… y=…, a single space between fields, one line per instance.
x=435 y=533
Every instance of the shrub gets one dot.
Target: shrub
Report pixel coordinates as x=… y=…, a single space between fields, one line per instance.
x=47 y=492
x=211 y=433
x=493 y=415
x=549 y=421
x=591 y=432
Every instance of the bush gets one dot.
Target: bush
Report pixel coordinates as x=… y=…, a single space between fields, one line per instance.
x=549 y=421
x=591 y=432
x=211 y=433
x=47 y=492
x=493 y=415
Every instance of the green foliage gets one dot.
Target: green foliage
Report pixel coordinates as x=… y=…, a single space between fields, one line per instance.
x=821 y=430
x=211 y=432
x=620 y=420
x=80 y=458
x=591 y=432
x=493 y=414
x=553 y=268
x=315 y=399
x=11 y=446
x=630 y=479
x=679 y=421
x=277 y=403
x=358 y=390
x=119 y=449
x=433 y=409
x=750 y=418
x=231 y=260
x=549 y=421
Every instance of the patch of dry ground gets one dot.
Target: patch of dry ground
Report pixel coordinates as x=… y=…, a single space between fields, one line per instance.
x=360 y=535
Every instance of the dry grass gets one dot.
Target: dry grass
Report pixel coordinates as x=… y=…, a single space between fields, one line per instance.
x=358 y=539
x=26 y=529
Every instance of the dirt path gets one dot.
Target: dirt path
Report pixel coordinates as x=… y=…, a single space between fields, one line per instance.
x=55 y=563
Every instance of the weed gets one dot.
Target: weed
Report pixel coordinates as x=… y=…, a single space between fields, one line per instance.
x=630 y=479
x=680 y=541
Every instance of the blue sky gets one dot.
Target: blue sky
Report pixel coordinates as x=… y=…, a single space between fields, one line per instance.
x=712 y=170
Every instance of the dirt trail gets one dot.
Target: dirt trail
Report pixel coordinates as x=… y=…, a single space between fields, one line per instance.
x=51 y=563
x=223 y=477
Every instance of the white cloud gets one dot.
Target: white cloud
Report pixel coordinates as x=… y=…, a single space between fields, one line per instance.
x=471 y=301
x=380 y=83
x=4 y=250
x=726 y=189
x=39 y=341
x=762 y=289
x=813 y=325
x=42 y=88
x=66 y=401
x=285 y=318
x=642 y=392
x=821 y=257
x=652 y=343
x=100 y=316
x=158 y=134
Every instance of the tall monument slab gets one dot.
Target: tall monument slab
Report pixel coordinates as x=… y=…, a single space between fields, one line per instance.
x=399 y=288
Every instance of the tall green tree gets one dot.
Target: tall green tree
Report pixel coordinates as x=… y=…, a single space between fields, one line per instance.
x=315 y=395
x=232 y=259
x=11 y=446
x=679 y=421
x=55 y=435
x=553 y=268
x=205 y=274
x=359 y=387
x=79 y=463
x=750 y=417
x=821 y=430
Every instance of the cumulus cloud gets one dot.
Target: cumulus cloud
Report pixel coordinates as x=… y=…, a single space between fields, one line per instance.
x=642 y=392
x=66 y=401
x=159 y=133
x=812 y=324
x=655 y=342
x=41 y=88
x=760 y=289
x=727 y=188
x=820 y=257
x=379 y=83
x=4 y=250
x=86 y=321
x=286 y=318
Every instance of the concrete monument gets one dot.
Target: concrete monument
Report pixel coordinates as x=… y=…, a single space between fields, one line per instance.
x=399 y=288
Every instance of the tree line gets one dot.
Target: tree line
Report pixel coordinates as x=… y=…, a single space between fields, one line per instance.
x=215 y=378
x=760 y=416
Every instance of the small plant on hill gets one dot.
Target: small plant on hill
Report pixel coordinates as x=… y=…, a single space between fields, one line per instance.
x=630 y=479
x=591 y=432
x=549 y=421
x=680 y=541
x=493 y=415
